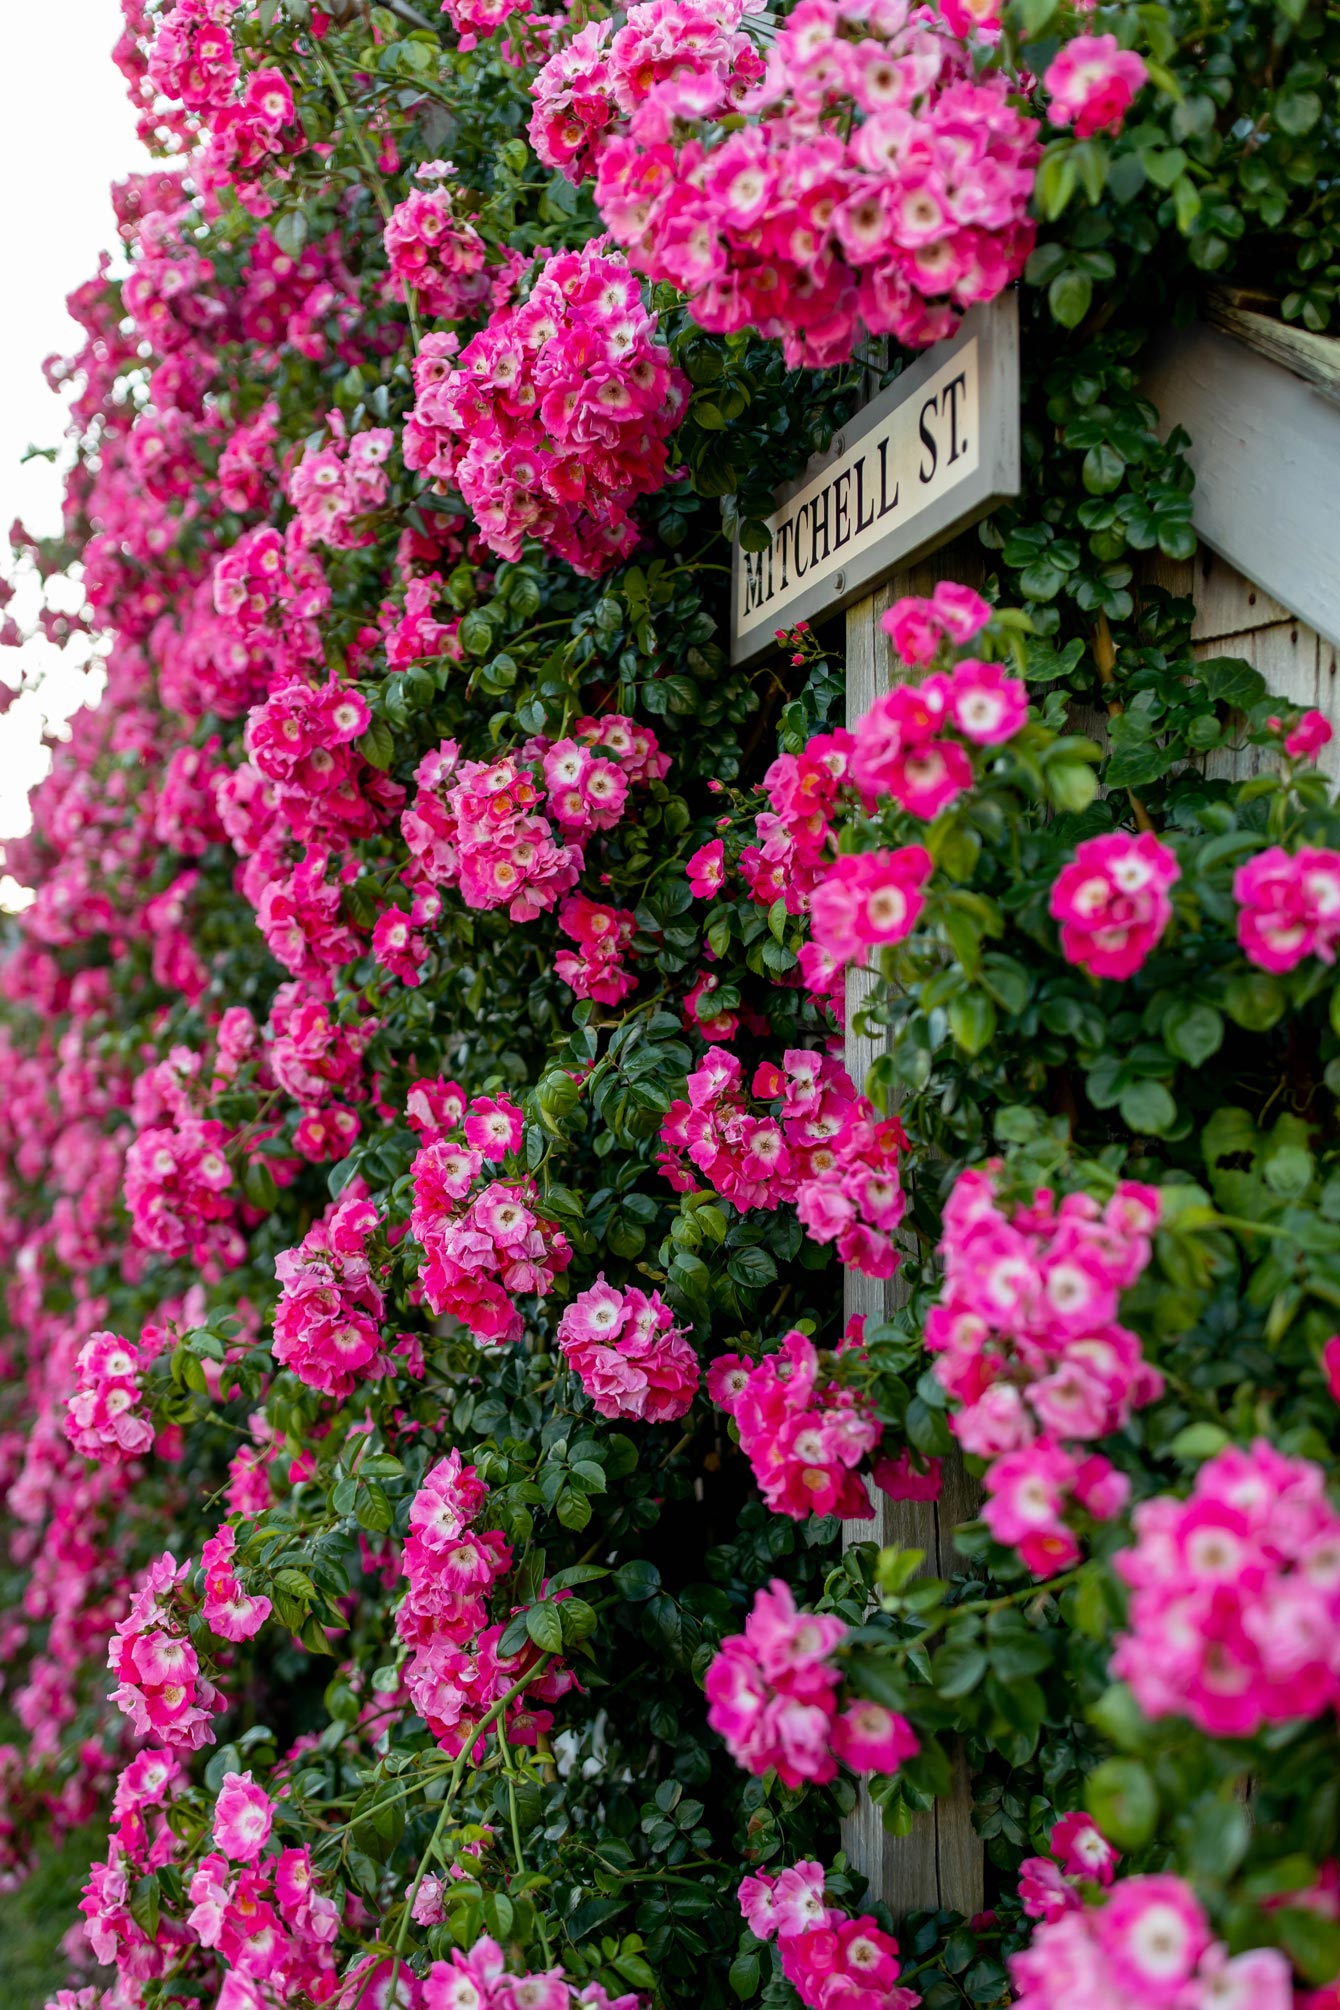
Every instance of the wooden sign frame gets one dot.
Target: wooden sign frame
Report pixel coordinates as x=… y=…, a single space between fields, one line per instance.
x=933 y=453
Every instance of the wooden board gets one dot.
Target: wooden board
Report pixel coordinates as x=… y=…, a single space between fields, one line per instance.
x=1265 y=447
x=940 y=1862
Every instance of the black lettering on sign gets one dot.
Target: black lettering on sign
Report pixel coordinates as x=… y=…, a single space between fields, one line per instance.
x=801 y=570
x=819 y=523
x=924 y=473
x=951 y=391
x=885 y=504
x=863 y=522
x=782 y=539
x=753 y=580
x=841 y=523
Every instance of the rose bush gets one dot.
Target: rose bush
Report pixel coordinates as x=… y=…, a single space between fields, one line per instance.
x=428 y=1161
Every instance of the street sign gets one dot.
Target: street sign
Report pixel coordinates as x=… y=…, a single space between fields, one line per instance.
x=929 y=456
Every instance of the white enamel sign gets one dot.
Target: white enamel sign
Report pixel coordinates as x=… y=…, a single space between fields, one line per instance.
x=925 y=459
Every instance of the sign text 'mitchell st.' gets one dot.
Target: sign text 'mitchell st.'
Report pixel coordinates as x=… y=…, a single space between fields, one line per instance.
x=929 y=456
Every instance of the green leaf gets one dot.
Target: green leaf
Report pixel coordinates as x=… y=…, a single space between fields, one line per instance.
x=1186 y=203
x=1255 y=1001
x=637 y=1579
x=1192 y=1031
x=959 y=1665
x=1033 y=17
x=144 y=1903
x=753 y=1268
x=1072 y=785
x=972 y=1020
x=258 y=1186
x=743 y=1975
x=1069 y=296
x=377 y=745
x=1218 y=1835
x=372 y=1509
x=475 y=634
x=1198 y=1442
x=1135 y=767
x=1148 y=1108
x=290 y=232
x=1103 y=470
x=545 y=1627
x=1311 y=1941
x=1057 y=179
x=1016 y=1648
x=1123 y=1800
x=895 y=1569
x=1232 y=681
x=1296 y=112
x=1162 y=165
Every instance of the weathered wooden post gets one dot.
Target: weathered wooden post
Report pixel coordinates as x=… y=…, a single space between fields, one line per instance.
x=939 y=1862
x=919 y=463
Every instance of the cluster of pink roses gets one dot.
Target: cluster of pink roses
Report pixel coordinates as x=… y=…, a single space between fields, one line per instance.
x=1027 y=1342
x=1235 y=1596
x=186 y=817
x=192 y=59
x=248 y=139
x=899 y=747
x=300 y=743
x=913 y=748
x=433 y=247
x=159 y=1683
x=485 y=826
x=103 y=1418
x=1112 y=902
x=327 y=1323
x=247 y=461
x=1080 y=1854
x=603 y=935
x=597 y=81
x=483 y=1243
x=1150 y=1943
x=1091 y=84
x=480 y=826
x=833 y=1961
x=867 y=900
x=1288 y=906
x=300 y=914
x=455 y=1671
x=182 y=1193
x=227 y=1609
x=803 y=1439
x=315 y=1059
x=479 y=1979
x=773 y=1694
x=335 y=484
x=825 y=1150
x=555 y=418
x=628 y=1354
x=268 y=1919
x=880 y=184
x=243 y=1817
x=269 y=582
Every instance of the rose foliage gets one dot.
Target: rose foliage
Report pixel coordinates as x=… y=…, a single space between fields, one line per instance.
x=429 y=1163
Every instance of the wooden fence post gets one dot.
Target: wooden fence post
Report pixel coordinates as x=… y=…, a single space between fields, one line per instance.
x=939 y=1863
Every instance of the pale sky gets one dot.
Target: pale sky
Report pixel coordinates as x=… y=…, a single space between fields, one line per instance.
x=67 y=133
